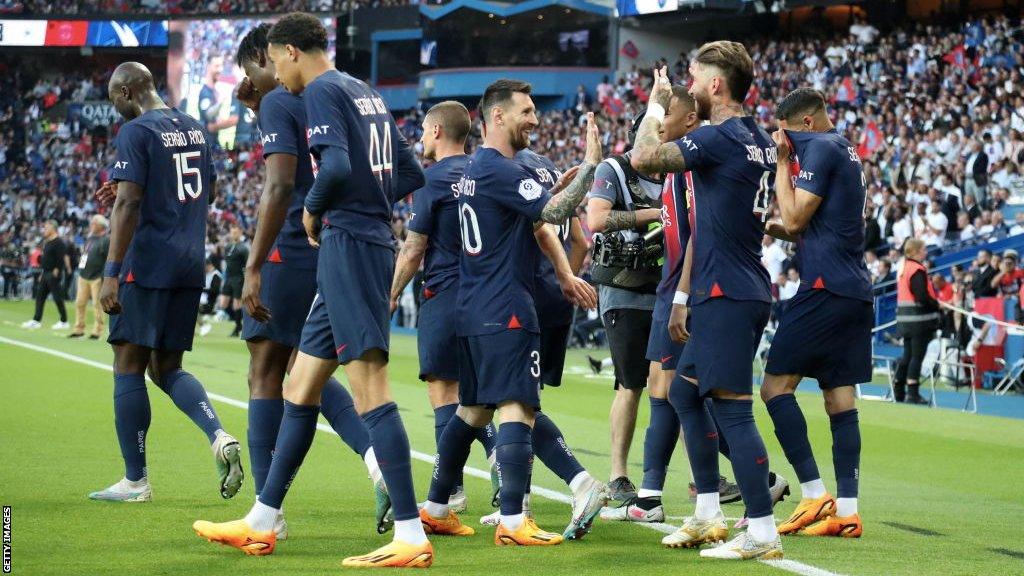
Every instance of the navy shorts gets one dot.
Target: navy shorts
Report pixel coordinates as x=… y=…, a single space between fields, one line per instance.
x=435 y=335
x=661 y=348
x=157 y=318
x=288 y=293
x=350 y=313
x=554 y=340
x=826 y=337
x=501 y=367
x=724 y=336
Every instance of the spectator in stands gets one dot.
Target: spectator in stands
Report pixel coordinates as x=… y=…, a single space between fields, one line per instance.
x=976 y=171
x=773 y=256
x=917 y=316
x=982 y=284
x=1009 y=278
x=967 y=230
x=935 y=225
x=872 y=231
x=872 y=262
x=1018 y=224
x=885 y=273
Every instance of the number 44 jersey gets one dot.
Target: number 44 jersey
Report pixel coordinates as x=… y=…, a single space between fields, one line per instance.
x=499 y=201
x=731 y=171
x=168 y=154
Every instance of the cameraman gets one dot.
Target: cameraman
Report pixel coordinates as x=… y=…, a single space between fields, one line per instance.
x=623 y=206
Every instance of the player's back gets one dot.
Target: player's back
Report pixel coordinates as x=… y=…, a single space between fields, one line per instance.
x=282 y=124
x=169 y=154
x=499 y=200
x=343 y=111
x=436 y=215
x=830 y=250
x=731 y=172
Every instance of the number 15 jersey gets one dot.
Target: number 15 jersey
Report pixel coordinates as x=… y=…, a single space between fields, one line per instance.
x=499 y=201
x=169 y=154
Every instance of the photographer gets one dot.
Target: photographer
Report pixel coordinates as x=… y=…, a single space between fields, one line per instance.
x=623 y=206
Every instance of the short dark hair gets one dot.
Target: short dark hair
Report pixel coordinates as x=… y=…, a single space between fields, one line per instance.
x=302 y=30
x=253 y=44
x=734 y=62
x=683 y=95
x=799 y=102
x=454 y=117
x=500 y=92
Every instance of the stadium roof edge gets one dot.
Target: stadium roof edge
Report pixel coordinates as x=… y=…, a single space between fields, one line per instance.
x=506 y=9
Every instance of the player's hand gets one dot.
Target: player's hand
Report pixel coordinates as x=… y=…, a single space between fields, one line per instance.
x=108 y=296
x=106 y=193
x=249 y=95
x=312 y=224
x=594 y=153
x=394 y=304
x=677 y=323
x=781 y=145
x=251 y=297
x=564 y=180
x=661 y=90
x=579 y=292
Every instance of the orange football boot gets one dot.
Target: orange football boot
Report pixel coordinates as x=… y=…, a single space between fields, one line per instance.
x=528 y=534
x=397 y=554
x=450 y=526
x=843 y=527
x=237 y=534
x=809 y=511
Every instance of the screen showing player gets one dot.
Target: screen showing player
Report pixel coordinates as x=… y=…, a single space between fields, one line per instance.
x=202 y=75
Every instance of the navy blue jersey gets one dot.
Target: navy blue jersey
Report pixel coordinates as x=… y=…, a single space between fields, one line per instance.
x=169 y=154
x=499 y=200
x=675 y=220
x=344 y=112
x=282 y=124
x=552 y=307
x=731 y=173
x=831 y=250
x=435 y=214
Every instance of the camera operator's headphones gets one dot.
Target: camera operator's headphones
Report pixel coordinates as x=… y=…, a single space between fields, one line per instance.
x=634 y=128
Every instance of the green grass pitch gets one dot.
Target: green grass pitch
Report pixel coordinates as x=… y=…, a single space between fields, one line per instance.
x=941 y=491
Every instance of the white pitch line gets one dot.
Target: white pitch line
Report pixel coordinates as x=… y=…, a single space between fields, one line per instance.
x=787 y=565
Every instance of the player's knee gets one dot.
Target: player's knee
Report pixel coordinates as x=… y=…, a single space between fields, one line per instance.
x=442 y=392
x=475 y=416
x=517 y=412
x=839 y=400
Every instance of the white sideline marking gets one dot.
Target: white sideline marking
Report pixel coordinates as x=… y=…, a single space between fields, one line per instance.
x=787 y=565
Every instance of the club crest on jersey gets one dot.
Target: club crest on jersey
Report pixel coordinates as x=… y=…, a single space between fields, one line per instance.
x=530 y=189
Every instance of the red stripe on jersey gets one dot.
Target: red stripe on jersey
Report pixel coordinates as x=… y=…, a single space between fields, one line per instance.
x=275 y=256
x=669 y=219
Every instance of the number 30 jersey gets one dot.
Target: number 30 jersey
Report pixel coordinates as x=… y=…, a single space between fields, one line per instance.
x=731 y=171
x=169 y=154
x=499 y=201
x=343 y=111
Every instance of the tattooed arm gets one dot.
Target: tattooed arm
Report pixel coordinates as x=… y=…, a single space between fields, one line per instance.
x=564 y=204
x=409 y=259
x=649 y=154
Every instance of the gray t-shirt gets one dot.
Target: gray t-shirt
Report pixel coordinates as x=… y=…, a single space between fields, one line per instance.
x=606 y=187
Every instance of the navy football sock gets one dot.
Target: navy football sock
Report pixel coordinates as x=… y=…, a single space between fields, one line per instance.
x=131 y=421
x=452 y=452
x=514 y=453
x=339 y=410
x=700 y=434
x=190 y=397
x=659 y=442
x=791 y=430
x=749 y=457
x=264 y=423
x=298 y=426
x=723 y=444
x=488 y=437
x=552 y=449
x=442 y=414
x=846 y=452
x=391 y=446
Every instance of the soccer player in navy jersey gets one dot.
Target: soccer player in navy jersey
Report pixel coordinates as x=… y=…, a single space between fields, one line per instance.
x=362 y=164
x=731 y=165
x=501 y=204
x=433 y=238
x=280 y=274
x=825 y=333
x=153 y=277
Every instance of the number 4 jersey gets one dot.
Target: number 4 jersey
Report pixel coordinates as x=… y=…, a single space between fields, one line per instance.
x=499 y=201
x=731 y=171
x=169 y=154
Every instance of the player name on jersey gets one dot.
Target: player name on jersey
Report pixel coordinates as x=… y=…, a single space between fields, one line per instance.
x=177 y=138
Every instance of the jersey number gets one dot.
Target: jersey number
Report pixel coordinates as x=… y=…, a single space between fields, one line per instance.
x=182 y=168
x=535 y=364
x=472 y=243
x=380 y=152
x=763 y=197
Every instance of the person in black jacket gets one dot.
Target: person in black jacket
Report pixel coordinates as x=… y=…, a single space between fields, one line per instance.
x=53 y=264
x=917 y=318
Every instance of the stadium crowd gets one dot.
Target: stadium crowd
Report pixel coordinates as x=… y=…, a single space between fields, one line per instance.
x=182 y=7
x=938 y=113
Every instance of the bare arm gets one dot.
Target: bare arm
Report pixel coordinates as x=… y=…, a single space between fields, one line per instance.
x=409 y=259
x=796 y=204
x=601 y=217
x=649 y=154
x=273 y=209
x=124 y=217
x=677 y=318
x=578 y=246
x=776 y=229
x=565 y=202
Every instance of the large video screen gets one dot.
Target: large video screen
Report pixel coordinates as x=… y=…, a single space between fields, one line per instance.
x=202 y=75
x=99 y=33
